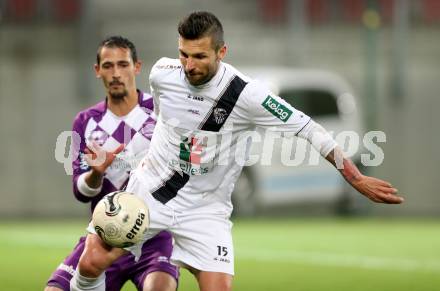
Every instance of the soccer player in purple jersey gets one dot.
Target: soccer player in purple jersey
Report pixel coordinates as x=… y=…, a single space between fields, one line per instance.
x=115 y=134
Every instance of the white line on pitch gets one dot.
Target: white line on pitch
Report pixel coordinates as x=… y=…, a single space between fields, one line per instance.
x=339 y=260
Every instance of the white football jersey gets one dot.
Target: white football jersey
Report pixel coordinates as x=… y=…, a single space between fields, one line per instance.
x=201 y=137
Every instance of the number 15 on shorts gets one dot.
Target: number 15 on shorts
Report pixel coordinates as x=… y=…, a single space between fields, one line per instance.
x=222 y=254
x=222 y=251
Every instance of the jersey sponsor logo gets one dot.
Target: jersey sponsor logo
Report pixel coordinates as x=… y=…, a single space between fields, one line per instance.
x=126 y=161
x=190 y=150
x=277 y=109
x=194 y=111
x=83 y=165
x=220 y=115
x=194 y=156
x=188 y=168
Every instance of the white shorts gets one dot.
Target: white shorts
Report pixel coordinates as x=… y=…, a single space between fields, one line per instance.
x=201 y=240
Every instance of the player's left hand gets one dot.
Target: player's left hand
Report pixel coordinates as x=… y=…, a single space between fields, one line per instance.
x=376 y=190
x=98 y=158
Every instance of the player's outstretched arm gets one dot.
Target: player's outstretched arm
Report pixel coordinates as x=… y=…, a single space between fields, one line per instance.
x=374 y=189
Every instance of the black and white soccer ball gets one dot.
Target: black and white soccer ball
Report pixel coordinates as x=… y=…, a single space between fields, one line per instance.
x=120 y=219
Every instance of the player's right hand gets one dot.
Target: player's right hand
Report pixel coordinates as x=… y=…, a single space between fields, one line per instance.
x=376 y=190
x=99 y=159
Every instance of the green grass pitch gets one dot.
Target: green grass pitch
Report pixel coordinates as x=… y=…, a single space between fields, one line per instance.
x=271 y=254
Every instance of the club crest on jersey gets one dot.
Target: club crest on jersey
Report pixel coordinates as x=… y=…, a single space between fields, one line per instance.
x=147 y=130
x=220 y=115
x=98 y=136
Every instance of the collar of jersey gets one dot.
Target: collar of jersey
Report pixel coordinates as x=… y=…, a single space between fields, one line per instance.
x=140 y=96
x=213 y=82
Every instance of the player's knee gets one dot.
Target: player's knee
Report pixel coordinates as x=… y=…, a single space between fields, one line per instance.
x=218 y=286
x=224 y=285
x=159 y=281
x=52 y=288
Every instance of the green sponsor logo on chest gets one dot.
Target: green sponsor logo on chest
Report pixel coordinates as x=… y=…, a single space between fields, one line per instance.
x=278 y=110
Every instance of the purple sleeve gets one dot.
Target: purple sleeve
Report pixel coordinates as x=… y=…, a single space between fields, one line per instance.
x=147 y=101
x=79 y=165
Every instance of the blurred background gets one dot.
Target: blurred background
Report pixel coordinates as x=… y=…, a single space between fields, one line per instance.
x=387 y=50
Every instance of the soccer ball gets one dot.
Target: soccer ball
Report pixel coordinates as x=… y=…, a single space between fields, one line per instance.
x=120 y=219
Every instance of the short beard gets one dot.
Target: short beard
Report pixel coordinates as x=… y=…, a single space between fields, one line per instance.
x=202 y=81
x=119 y=95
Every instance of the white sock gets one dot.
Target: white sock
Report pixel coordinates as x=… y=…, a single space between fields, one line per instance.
x=80 y=283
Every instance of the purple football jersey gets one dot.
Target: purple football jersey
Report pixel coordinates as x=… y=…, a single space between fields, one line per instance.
x=101 y=126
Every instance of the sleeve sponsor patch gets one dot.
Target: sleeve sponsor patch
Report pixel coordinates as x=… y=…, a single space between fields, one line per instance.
x=276 y=109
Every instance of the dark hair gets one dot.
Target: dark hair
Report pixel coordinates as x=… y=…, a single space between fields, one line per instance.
x=119 y=42
x=200 y=24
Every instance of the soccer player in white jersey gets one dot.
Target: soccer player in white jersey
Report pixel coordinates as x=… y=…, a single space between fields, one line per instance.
x=204 y=106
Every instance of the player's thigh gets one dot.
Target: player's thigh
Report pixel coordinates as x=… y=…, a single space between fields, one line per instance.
x=51 y=288
x=214 y=281
x=97 y=256
x=154 y=268
x=159 y=281
x=204 y=242
x=60 y=278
